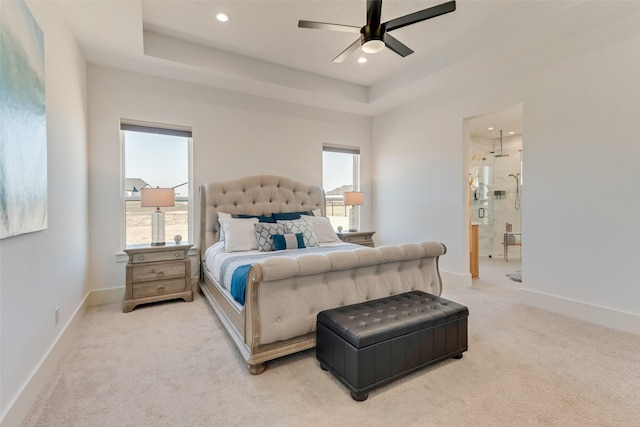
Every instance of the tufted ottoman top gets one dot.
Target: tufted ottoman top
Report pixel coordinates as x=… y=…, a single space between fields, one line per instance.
x=379 y=320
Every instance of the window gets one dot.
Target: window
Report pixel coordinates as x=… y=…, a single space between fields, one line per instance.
x=340 y=173
x=155 y=157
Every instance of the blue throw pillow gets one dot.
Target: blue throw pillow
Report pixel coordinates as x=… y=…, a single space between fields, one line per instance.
x=288 y=241
x=288 y=216
x=261 y=218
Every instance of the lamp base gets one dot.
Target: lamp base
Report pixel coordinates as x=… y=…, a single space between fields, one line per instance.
x=157 y=228
x=353 y=219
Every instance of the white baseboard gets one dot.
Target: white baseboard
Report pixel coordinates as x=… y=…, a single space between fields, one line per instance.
x=19 y=407
x=22 y=402
x=450 y=279
x=107 y=296
x=627 y=322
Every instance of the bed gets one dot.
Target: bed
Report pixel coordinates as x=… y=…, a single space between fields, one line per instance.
x=284 y=292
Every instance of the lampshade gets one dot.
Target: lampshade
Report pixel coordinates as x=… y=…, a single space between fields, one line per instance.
x=157 y=197
x=353 y=198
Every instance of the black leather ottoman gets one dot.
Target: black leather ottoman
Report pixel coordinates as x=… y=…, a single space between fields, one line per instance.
x=370 y=344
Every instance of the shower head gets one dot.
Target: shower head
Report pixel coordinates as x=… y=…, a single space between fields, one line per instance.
x=501 y=153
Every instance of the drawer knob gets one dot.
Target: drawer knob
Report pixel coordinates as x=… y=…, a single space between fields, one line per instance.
x=177 y=254
x=160 y=288
x=141 y=257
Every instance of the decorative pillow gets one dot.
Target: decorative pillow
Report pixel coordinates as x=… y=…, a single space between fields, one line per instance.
x=261 y=218
x=316 y=212
x=222 y=215
x=264 y=231
x=304 y=227
x=239 y=234
x=288 y=241
x=323 y=228
x=289 y=216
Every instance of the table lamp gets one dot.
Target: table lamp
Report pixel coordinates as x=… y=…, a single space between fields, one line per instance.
x=158 y=198
x=353 y=199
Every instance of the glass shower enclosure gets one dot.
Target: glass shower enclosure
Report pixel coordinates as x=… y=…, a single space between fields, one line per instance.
x=496 y=197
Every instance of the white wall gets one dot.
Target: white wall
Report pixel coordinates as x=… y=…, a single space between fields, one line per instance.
x=234 y=135
x=48 y=269
x=580 y=220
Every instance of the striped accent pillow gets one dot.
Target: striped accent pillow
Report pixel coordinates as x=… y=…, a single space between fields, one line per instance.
x=288 y=241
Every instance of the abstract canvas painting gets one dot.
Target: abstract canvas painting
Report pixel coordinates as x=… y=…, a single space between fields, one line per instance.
x=23 y=130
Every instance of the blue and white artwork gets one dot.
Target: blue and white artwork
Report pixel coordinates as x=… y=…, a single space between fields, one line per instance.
x=23 y=127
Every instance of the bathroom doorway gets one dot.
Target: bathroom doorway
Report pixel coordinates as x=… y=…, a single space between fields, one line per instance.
x=496 y=191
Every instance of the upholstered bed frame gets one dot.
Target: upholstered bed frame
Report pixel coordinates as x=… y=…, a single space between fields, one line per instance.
x=284 y=294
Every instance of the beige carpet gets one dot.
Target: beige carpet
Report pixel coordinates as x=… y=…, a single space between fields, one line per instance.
x=172 y=364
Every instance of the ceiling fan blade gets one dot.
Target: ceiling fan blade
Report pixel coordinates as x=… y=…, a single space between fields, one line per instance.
x=396 y=45
x=374 y=12
x=348 y=51
x=421 y=15
x=326 y=26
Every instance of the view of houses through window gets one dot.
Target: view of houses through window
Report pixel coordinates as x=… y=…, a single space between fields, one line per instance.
x=340 y=173
x=155 y=158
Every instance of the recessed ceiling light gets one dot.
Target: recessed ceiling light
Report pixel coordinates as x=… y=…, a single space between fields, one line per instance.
x=362 y=60
x=490 y=128
x=511 y=133
x=222 y=17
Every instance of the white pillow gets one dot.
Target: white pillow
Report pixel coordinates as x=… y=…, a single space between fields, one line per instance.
x=322 y=228
x=316 y=212
x=239 y=234
x=222 y=215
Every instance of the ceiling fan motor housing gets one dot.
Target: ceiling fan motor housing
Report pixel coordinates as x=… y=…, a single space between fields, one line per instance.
x=372 y=33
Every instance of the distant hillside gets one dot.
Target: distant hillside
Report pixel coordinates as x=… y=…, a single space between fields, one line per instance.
x=340 y=190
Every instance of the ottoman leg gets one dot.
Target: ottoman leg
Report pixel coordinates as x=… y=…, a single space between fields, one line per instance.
x=359 y=397
x=457 y=356
x=324 y=367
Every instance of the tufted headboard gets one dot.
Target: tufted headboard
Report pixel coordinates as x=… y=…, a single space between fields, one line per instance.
x=255 y=195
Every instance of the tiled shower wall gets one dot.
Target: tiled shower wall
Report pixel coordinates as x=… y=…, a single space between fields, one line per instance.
x=493 y=175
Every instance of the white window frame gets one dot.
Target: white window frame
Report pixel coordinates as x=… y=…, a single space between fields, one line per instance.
x=355 y=151
x=162 y=129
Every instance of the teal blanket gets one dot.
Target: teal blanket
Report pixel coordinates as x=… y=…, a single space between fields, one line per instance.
x=239 y=282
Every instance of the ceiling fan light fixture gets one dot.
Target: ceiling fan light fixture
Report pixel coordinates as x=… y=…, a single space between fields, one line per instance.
x=372 y=46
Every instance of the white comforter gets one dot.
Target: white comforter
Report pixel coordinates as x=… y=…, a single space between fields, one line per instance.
x=215 y=257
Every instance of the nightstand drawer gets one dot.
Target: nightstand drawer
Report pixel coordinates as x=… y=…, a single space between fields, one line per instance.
x=158 y=256
x=146 y=289
x=145 y=273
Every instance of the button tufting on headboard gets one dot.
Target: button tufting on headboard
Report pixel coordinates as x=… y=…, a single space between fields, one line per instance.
x=267 y=195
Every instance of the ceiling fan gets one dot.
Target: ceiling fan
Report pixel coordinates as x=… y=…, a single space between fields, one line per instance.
x=374 y=36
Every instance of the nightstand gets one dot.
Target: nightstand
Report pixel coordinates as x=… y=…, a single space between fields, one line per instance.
x=157 y=273
x=364 y=238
